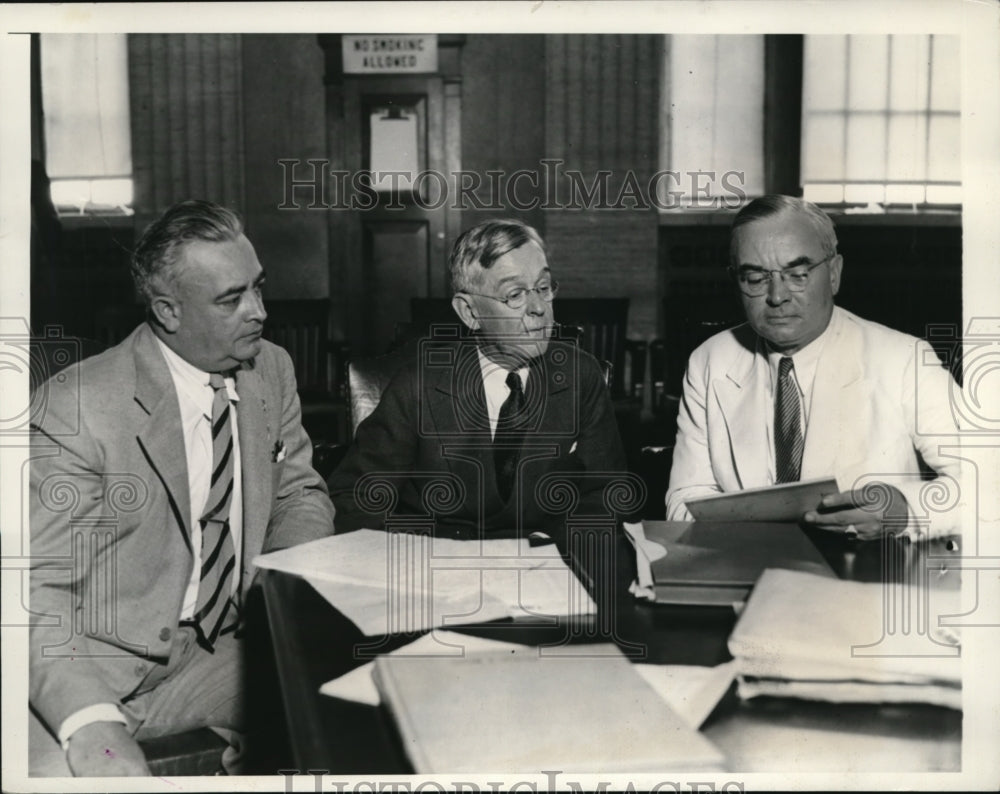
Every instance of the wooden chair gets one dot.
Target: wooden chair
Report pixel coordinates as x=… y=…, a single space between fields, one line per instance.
x=603 y=324
x=112 y=323
x=302 y=327
x=689 y=320
x=194 y=752
x=368 y=377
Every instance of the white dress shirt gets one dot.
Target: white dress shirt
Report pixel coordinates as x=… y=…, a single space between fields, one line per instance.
x=495 y=386
x=194 y=397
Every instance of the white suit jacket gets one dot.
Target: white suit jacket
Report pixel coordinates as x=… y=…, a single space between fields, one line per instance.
x=880 y=401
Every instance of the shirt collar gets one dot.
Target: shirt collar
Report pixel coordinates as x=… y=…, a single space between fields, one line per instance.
x=494 y=374
x=194 y=382
x=808 y=356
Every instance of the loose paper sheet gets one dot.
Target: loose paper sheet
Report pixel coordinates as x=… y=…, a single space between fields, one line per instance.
x=390 y=583
x=691 y=691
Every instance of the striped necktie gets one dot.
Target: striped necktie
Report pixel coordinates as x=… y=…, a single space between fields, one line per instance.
x=509 y=435
x=218 y=555
x=787 y=425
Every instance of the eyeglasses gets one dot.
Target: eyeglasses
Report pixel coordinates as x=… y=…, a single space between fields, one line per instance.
x=517 y=298
x=755 y=281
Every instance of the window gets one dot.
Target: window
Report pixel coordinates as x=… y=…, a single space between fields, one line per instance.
x=881 y=120
x=713 y=118
x=878 y=126
x=85 y=101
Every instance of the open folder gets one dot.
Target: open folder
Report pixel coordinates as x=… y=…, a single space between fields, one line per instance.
x=715 y=563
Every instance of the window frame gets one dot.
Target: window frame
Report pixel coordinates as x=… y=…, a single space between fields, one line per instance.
x=783 y=79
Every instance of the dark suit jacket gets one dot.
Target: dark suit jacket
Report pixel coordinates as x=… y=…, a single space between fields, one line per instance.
x=424 y=457
x=110 y=542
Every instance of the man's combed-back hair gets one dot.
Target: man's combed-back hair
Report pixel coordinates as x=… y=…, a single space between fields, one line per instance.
x=161 y=245
x=484 y=244
x=775 y=204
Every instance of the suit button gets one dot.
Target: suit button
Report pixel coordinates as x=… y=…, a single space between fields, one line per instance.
x=140 y=670
x=164 y=634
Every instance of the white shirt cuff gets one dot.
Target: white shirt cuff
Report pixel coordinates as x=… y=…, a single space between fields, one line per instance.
x=99 y=712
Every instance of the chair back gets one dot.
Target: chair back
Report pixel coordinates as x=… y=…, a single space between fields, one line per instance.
x=368 y=377
x=607 y=371
x=689 y=320
x=114 y=322
x=302 y=327
x=603 y=324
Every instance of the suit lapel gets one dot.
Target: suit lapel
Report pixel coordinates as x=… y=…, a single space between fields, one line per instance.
x=456 y=408
x=742 y=399
x=457 y=400
x=839 y=400
x=160 y=433
x=551 y=383
x=255 y=460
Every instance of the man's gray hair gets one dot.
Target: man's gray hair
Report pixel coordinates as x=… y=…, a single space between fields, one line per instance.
x=484 y=244
x=774 y=204
x=161 y=245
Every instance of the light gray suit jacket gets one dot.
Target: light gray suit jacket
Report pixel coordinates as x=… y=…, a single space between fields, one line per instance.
x=110 y=513
x=880 y=401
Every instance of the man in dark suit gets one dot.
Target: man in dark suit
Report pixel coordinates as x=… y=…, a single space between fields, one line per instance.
x=180 y=457
x=490 y=434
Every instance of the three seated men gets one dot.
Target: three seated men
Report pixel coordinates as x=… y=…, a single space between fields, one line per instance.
x=189 y=435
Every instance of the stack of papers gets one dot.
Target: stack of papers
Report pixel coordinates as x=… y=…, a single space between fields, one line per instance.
x=818 y=638
x=390 y=583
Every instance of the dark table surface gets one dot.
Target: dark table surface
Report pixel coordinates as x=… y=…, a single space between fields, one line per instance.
x=314 y=643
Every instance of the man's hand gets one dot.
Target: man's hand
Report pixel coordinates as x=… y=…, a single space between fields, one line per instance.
x=105 y=749
x=866 y=513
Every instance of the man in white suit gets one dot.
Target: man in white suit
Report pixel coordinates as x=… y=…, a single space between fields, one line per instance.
x=805 y=389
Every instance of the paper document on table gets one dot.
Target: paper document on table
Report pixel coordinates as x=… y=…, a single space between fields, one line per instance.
x=587 y=711
x=692 y=692
x=852 y=691
x=826 y=639
x=389 y=582
x=359 y=686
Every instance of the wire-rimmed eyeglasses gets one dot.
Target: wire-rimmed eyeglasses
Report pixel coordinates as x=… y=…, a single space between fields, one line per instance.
x=755 y=281
x=517 y=297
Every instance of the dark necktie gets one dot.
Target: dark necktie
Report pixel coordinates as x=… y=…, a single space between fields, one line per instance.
x=787 y=425
x=218 y=555
x=508 y=437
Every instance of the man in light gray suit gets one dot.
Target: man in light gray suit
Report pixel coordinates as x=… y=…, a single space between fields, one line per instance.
x=806 y=389
x=180 y=458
